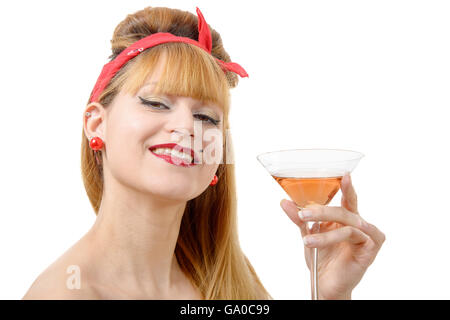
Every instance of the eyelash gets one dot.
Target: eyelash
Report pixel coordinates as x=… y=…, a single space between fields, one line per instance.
x=153 y=105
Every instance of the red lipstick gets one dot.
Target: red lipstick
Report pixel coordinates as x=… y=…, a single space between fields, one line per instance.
x=173 y=159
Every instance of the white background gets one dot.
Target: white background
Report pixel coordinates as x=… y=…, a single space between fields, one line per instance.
x=371 y=76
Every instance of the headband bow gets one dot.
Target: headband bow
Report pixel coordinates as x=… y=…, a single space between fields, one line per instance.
x=204 y=42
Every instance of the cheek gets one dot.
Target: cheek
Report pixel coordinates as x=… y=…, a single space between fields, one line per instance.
x=126 y=140
x=137 y=127
x=132 y=130
x=213 y=146
x=207 y=173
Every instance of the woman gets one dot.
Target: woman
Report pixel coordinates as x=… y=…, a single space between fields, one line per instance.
x=166 y=220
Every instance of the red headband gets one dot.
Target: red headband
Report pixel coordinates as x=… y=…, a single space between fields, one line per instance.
x=204 y=42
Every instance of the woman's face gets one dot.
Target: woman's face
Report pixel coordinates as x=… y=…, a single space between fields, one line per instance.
x=133 y=124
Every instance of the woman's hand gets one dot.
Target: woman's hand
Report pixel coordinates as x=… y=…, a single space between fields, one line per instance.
x=347 y=243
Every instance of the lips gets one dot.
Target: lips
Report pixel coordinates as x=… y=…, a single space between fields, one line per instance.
x=179 y=148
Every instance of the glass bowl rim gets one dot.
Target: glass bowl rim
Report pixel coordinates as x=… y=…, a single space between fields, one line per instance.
x=361 y=155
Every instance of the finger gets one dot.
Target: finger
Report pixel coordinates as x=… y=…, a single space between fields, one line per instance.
x=349 y=198
x=347 y=233
x=377 y=236
x=344 y=217
x=332 y=214
x=292 y=212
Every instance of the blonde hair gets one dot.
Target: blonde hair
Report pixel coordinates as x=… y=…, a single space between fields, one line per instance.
x=207 y=249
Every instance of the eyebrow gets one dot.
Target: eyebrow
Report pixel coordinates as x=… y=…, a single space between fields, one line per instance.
x=149 y=84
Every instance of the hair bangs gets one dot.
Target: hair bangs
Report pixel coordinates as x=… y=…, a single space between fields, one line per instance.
x=188 y=71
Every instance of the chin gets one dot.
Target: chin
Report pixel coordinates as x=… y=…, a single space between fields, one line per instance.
x=180 y=192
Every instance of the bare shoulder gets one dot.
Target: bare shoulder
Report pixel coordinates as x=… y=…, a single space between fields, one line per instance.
x=65 y=279
x=53 y=285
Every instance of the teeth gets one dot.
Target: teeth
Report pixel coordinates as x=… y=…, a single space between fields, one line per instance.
x=174 y=153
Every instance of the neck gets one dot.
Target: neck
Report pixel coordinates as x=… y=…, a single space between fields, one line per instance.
x=135 y=235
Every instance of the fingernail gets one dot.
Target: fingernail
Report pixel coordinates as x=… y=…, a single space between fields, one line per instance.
x=309 y=240
x=305 y=214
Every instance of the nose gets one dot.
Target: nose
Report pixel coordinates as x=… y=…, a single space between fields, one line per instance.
x=182 y=123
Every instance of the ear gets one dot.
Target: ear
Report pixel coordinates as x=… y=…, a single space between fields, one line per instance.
x=94 y=125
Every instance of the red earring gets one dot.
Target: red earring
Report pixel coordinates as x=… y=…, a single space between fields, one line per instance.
x=95 y=143
x=214 y=180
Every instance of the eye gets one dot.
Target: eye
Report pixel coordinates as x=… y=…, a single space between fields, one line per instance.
x=206 y=118
x=161 y=106
x=154 y=104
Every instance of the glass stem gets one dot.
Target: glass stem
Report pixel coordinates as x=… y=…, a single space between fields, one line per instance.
x=315 y=262
x=314 y=282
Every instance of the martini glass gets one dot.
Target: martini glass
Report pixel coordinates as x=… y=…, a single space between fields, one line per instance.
x=310 y=176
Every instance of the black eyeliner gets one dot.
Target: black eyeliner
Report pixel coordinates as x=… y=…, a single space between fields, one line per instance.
x=153 y=103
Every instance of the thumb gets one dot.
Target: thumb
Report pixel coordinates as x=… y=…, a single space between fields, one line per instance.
x=292 y=211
